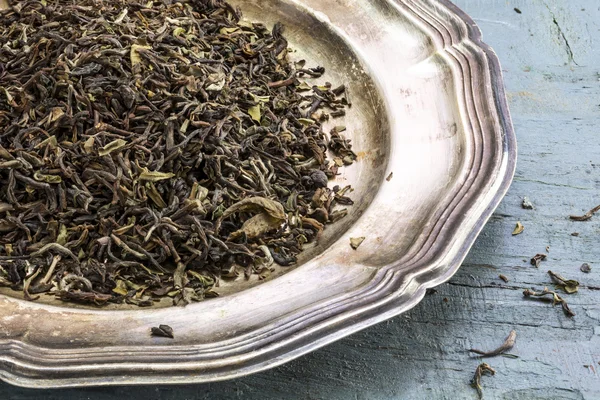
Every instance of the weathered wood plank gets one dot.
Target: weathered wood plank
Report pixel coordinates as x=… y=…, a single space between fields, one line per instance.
x=550 y=57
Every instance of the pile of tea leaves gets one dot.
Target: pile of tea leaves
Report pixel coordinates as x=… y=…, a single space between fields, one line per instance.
x=154 y=149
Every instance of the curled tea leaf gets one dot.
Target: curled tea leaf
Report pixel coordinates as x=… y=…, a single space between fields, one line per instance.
x=482 y=369
x=121 y=288
x=587 y=215
x=508 y=344
x=258 y=225
x=556 y=299
x=537 y=259
x=38 y=176
x=570 y=286
x=519 y=228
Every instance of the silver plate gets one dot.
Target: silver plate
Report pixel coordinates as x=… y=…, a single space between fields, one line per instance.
x=428 y=105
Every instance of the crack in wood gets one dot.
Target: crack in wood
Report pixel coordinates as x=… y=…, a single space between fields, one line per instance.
x=561 y=35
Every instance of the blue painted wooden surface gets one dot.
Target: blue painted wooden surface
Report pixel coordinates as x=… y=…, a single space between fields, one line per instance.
x=551 y=59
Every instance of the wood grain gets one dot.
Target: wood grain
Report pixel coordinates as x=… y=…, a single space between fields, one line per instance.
x=551 y=63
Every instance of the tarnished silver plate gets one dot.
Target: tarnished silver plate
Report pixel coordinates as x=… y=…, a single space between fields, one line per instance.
x=428 y=106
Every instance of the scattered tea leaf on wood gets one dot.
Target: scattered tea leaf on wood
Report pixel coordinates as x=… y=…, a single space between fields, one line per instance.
x=482 y=369
x=519 y=228
x=575 y=234
x=389 y=177
x=157 y=148
x=527 y=204
x=355 y=242
x=555 y=299
x=585 y=267
x=163 y=331
x=508 y=344
x=503 y=277
x=587 y=215
x=537 y=259
x=569 y=286
x=518 y=11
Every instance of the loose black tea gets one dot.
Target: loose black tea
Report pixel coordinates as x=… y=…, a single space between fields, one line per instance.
x=152 y=149
x=482 y=369
x=503 y=277
x=508 y=344
x=555 y=298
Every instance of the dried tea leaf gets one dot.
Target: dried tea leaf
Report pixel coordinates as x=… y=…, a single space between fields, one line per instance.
x=179 y=31
x=556 y=299
x=206 y=281
x=355 y=242
x=55 y=114
x=527 y=204
x=121 y=16
x=570 y=286
x=163 y=331
x=389 y=177
x=303 y=86
x=537 y=259
x=51 y=142
x=38 y=176
x=258 y=225
x=121 y=288
x=155 y=176
x=227 y=31
x=519 y=228
x=88 y=145
x=111 y=147
x=155 y=195
x=257 y=205
x=481 y=370
x=503 y=277
x=508 y=344
x=254 y=112
x=63 y=235
x=306 y=121
x=215 y=82
x=586 y=268
x=135 y=55
x=587 y=215
x=264 y=273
